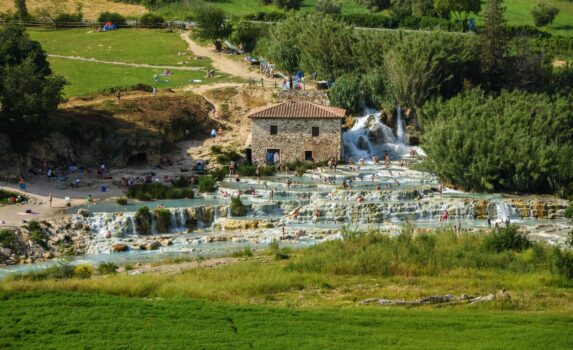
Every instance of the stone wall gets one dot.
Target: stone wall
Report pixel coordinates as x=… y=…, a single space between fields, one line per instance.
x=294 y=137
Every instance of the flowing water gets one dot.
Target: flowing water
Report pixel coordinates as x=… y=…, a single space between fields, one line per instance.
x=315 y=207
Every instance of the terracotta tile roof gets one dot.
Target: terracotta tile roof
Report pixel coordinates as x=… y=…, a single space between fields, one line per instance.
x=297 y=109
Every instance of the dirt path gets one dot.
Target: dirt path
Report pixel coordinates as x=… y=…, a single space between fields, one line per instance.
x=128 y=64
x=176 y=268
x=220 y=61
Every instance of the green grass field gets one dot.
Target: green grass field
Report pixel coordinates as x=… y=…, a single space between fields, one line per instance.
x=86 y=78
x=155 y=47
x=95 y=321
x=518 y=13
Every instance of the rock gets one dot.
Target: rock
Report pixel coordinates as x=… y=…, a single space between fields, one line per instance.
x=119 y=247
x=166 y=242
x=6 y=251
x=150 y=246
x=84 y=213
x=48 y=255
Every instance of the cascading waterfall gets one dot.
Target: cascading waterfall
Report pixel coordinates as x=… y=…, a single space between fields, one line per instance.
x=400 y=126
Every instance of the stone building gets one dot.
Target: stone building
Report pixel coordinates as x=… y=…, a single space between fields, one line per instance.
x=296 y=130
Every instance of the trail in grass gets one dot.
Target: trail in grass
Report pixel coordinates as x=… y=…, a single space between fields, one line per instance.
x=137 y=65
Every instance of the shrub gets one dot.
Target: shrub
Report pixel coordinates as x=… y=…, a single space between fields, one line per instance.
x=544 y=14
x=162 y=219
x=182 y=181
x=246 y=252
x=507 y=238
x=237 y=207
x=6 y=195
x=83 y=271
x=289 y=4
x=146 y=192
x=207 y=183
x=272 y=16
x=104 y=268
x=346 y=93
x=121 y=201
x=152 y=20
x=143 y=221
x=8 y=239
x=328 y=6
x=112 y=17
x=246 y=34
x=68 y=18
x=375 y=5
x=569 y=211
x=564 y=262
x=216 y=149
x=219 y=173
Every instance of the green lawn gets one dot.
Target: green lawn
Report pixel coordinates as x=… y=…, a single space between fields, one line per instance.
x=156 y=47
x=86 y=78
x=518 y=13
x=96 y=321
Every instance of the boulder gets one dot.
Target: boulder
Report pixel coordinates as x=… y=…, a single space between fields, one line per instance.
x=119 y=247
x=150 y=246
x=84 y=213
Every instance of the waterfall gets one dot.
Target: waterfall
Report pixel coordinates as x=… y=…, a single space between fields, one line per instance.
x=505 y=212
x=400 y=126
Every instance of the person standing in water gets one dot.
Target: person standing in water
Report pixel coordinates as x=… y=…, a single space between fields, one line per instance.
x=50 y=199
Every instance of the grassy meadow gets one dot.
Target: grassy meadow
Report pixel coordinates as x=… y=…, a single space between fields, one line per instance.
x=85 y=78
x=96 y=321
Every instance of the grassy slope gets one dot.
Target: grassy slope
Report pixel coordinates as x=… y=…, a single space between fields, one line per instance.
x=87 y=77
x=75 y=321
x=126 y=45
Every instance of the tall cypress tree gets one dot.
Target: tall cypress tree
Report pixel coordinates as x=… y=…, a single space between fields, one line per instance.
x=21 y=9
x=493 y=43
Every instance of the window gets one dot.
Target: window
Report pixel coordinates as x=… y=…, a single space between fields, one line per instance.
x=315 y=131
x=308 y=156
x=274 y=130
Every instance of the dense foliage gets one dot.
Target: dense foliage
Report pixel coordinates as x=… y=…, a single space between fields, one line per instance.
x=28 y=88
x=112 y=17
x=212 y=25
x=514 y=142
x=152 y=20
x=147 y=192
x=544 y=14
x=328 y=6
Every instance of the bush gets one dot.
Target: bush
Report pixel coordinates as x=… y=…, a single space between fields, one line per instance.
x=146 y=192
x=68 y=18
x=273 y=16
x=8 y=239
x=216 y=149
x=544 y=14
x=182 y=181
x=60 y=271
x=219 y=173
x=507 y=238
x=375 y=5
x=328 y=6
x=346 y=93
x=237 y=207
x=151 y=20
x=289 y=4
x=143 y=221
x=83 y=271
x=162 y=219
x=106 y=268
x=207 y=183
x=112 y=17
x=246 y=252
x=121 y=201
x=6 y=195
x=246 y=34
x=564 y=263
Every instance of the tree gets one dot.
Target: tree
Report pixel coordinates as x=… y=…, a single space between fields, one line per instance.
x=21 y=9
x=375 y=5
x=493 y=41
x=245 y=34
x=289 y=4
x=328 y=6
x=284 y=46
x=460 y=8
x=212 y=25
x=516 y=141
x=419 y=67
x=347 y=93
x=544 y=14
x=28 y=89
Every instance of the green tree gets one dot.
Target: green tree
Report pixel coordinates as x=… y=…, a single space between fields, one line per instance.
x=517 y=141
x=246 y=34
x=461 y=9
x=28 y=89
x=21 y=9
x=418 y=67
x=212 y=25
x=289 y=4
x=326 y=46
x=544 y=14
x=283 y=49
x=493 y=43
x=347 y=93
